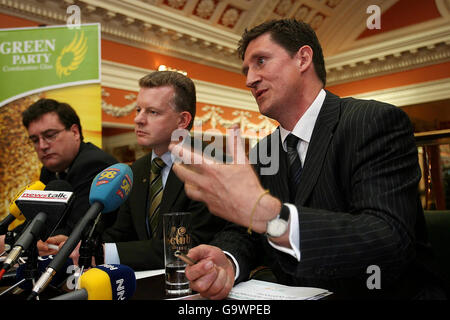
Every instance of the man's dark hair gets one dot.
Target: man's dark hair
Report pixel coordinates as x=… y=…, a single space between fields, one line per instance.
x=65 y=112
x=184 y=98
x=290 y=34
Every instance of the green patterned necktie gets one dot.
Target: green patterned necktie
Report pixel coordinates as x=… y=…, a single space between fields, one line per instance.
x=156 y=192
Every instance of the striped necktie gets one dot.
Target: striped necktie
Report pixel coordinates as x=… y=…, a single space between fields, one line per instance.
x=294 y=165
x=156 y=192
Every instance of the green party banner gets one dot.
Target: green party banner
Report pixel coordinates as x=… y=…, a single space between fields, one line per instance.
x=43 y=58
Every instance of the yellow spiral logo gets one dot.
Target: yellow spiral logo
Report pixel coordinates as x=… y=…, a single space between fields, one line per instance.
x=71 y=56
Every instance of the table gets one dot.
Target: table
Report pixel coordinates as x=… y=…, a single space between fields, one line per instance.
x=151 y=288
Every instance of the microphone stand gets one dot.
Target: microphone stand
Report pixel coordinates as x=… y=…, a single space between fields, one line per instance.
x=86 y=253
x=99 y=255
x=89 y=248
x=11 y=236
x=31 y=272
x=10 y=239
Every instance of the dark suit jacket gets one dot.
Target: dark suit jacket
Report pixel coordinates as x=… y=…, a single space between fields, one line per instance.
x=357 y=204
x=135 y=245
x=89 y=161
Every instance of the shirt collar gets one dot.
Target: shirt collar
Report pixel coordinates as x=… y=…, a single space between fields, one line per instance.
x=167 y=157
x=305 y=125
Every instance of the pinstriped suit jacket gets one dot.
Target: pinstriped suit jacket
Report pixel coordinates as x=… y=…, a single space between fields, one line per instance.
x=357 y=204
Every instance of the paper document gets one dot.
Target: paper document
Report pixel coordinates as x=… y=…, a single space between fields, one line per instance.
x=262 y=290
x=148 y=273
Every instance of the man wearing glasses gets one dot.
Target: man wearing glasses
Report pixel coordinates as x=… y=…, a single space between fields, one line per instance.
x=54 y=129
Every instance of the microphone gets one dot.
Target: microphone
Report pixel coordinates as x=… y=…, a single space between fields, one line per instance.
x=4 y=224
x=23 y=276
x=43 y=262
x=31 y=233
x=104 y=282
x=9 y=279
x=109 y=189
x=14 y=211
x=33 y=203
x=54 y=200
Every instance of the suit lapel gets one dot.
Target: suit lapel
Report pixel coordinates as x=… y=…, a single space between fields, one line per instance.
x=171 y=191
x=276 y=181
x=141 y=196
x=318 y=146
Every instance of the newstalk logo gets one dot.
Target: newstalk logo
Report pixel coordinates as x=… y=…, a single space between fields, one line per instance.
x=43 y=195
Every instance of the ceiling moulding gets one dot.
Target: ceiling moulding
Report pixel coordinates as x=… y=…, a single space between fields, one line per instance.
x=334 y=35
x=149 y=27
x=141 y=25
x=412 y=51
x=34 y=10
x=407 y=42
x=155 y=16
x=443 y=7
x=167 y=32
x=125 y=77
x=411 y=94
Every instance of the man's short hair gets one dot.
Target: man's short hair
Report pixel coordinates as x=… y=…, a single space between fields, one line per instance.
x=65 y=112
x=290 y=34
x=185 y=97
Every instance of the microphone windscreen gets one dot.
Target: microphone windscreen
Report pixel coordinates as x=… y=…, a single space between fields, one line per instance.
x=15 y=224
x=112 y=186
x=14 y=209
x=109 y=282
x=97 y=284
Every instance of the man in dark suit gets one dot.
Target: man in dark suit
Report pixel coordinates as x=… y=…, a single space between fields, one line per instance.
x=343 y=178
x=54 y=129
x=165 y=104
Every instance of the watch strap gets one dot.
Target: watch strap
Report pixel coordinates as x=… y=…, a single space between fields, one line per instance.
x=284 y=213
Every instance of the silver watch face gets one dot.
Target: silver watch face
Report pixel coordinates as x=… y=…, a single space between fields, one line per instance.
x=276 y=227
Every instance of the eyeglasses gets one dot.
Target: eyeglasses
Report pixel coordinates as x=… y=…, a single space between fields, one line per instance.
x=48 y=136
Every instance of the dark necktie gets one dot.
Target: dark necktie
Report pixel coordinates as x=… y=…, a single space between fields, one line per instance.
x=294 y=165
x=156 y=192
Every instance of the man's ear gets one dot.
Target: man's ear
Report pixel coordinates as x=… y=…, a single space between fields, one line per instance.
x=184 y=120
x=304 y=56
x=75 y=130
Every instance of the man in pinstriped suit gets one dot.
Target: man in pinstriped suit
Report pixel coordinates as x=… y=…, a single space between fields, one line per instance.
x=355 y=205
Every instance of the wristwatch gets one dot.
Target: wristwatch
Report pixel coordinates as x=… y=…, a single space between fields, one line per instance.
x=279 y=225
